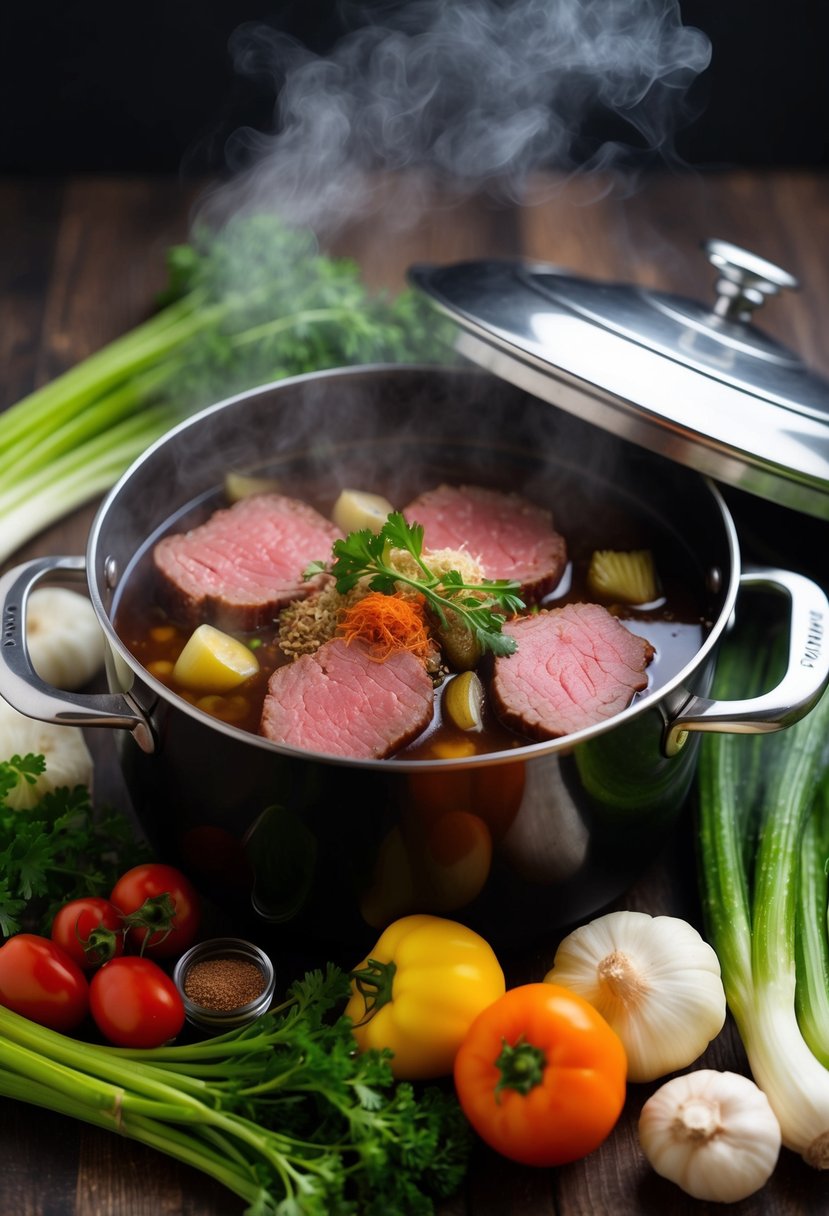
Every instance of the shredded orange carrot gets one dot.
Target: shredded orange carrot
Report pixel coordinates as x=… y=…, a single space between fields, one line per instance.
x=387 y=623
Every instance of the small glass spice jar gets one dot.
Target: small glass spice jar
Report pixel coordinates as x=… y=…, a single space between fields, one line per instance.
x=224 y=982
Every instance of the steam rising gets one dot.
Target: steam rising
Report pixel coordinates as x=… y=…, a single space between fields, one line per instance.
x=476 y=95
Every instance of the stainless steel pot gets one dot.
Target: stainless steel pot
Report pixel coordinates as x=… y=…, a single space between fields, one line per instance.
x=330 y=850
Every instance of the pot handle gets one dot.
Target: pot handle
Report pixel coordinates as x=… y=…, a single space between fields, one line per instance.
x=23 y=688
x=806 y=677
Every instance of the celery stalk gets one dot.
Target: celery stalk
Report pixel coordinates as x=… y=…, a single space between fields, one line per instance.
x=25 y=456
x=43 y=497
x=73 y=390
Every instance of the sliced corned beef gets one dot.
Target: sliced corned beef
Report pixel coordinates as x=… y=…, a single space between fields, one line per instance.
x=244 y=563
x=340 y=701
x=575 y=666
x=510 y=537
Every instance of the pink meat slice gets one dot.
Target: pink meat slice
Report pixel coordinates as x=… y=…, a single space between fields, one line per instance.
x=575 y=666
x=340 y=701
x=510 y=537
x=244 y=563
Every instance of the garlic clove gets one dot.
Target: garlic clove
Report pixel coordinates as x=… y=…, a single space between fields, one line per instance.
x=712 y=1133
x=654 y=979
x=65 y=640
x=68 y=759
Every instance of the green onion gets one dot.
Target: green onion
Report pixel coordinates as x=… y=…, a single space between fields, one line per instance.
x=812 y=940
x=750 y=894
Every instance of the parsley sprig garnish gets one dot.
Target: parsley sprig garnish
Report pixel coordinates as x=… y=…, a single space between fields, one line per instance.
x=482 y=607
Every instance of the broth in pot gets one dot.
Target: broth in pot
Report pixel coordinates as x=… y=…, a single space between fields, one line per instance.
x=614 y=584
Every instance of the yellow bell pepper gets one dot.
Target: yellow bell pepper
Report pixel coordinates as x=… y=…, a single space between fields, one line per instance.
x=419 y=990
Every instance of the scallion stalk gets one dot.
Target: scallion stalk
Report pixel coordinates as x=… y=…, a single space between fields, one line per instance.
x=76 y=476
x=71 y=392
x=750 y=913
x=812 y=941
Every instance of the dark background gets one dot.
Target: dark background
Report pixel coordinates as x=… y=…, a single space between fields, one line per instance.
x=91 y=86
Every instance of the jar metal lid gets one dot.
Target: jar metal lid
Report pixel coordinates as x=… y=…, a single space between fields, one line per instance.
x=701 y=384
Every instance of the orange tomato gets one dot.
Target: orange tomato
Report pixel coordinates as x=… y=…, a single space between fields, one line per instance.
x=541 y=1076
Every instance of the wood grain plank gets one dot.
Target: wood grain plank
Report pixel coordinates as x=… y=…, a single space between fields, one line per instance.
x=109 y=262
x=29 y=214
x=651 y=233
x=800 y=210
x=117 y=1175
x=498 y=1187
x=417 y=223
x=577 y=224
x=61 y=301
x=84 y=267
x=40 y=1156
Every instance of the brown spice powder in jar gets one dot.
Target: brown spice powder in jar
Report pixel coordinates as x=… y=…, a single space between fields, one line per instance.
x=223 y=983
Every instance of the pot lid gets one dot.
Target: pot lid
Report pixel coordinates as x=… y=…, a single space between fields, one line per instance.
x=698 y=383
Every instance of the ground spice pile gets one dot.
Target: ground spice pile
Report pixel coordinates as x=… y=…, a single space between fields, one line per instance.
x=223 y=983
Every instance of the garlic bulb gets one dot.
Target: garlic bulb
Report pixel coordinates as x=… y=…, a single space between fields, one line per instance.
x=654 y=979
x=712 y=1133
x=68 y=759
x=66 y=643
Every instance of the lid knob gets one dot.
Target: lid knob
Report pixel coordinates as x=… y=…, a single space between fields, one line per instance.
x=745 y=280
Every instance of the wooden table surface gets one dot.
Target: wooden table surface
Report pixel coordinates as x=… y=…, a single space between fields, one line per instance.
x=80 y=262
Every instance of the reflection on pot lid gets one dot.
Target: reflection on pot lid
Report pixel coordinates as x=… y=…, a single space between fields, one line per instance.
x=700 y=384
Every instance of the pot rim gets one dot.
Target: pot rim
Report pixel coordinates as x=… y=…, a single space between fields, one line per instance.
x=643 y=704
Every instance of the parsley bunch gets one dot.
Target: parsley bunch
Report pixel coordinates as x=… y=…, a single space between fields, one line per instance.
x=479 y=606
x=57 y=850
x=284 y=1112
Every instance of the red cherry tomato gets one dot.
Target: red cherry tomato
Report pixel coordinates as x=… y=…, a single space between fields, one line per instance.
x=149 y=881
x=83 y=927
x=40 y=981
x=134 y=1003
